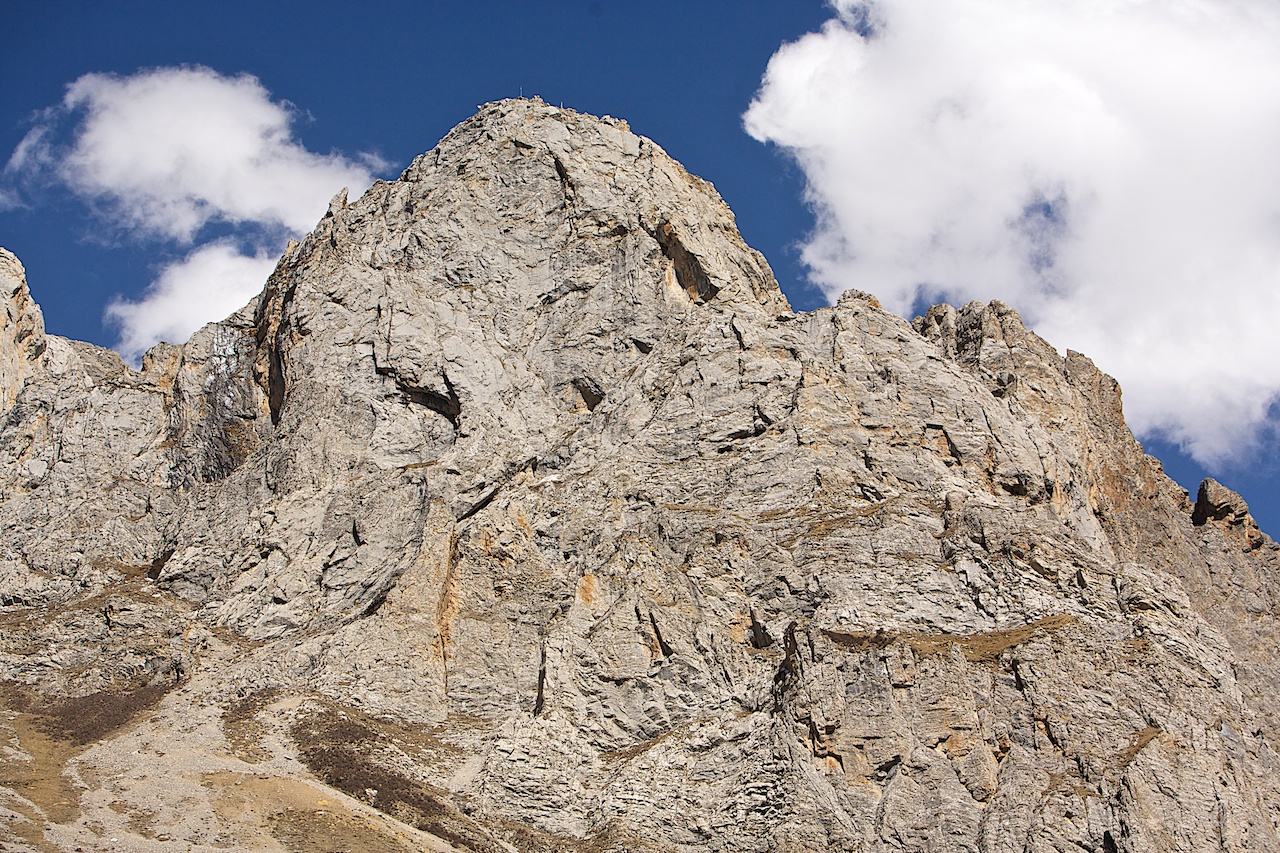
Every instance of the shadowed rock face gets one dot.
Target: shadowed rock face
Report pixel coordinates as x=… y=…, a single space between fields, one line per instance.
x=520 y=511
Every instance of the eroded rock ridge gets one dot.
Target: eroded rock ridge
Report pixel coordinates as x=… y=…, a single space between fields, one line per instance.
x=521 y=512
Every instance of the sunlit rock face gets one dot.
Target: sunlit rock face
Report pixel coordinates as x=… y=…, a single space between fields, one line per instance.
x=519 y=511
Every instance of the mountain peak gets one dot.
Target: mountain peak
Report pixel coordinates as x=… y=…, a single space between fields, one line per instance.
x=520 y=508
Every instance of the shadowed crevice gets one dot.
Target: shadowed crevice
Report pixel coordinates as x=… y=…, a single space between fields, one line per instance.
x=446 y=404
x=688 y=269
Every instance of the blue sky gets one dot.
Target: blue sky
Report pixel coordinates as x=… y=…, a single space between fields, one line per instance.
x=375 y=85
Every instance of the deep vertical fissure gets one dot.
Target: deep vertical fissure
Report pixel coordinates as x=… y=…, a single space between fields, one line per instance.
x=540 y=699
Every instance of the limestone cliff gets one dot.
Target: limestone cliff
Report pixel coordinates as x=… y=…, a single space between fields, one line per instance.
x=520 y=512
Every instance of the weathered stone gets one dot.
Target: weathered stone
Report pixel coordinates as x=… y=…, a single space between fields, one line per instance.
x=521 y=507
x=23 y=340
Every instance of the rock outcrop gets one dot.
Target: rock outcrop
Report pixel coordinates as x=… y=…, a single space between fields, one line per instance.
x=520 y=512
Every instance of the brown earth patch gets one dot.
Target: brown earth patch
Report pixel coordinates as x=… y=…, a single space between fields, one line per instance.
x=362 y=756
x=823 y=520
x=52 y=733
x=347 y=753
x=266 y=810
x=982 y=647
x=1141 y=739
x=37 y=775
x=326 y=831
x=242 y=729
x=82 y=720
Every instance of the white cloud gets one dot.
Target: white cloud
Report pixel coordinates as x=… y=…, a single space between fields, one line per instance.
x=32 y=153
x=209 y=284
x=164 y=152
x=1109 y=167
x=170 y=149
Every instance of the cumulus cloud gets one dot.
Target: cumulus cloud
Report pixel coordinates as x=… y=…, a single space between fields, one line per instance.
x=210 y=283
x=1109 y=167
x=167 y=150
x=163 y=153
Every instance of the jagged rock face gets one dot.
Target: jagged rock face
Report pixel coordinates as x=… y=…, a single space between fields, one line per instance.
x=521 y=508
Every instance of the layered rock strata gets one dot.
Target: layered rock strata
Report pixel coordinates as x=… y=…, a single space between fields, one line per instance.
x=520 y=512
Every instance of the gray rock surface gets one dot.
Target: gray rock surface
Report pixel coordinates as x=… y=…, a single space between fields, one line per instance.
x=520 y=512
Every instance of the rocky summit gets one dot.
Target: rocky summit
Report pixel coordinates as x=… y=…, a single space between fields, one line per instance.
x=519 y=512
